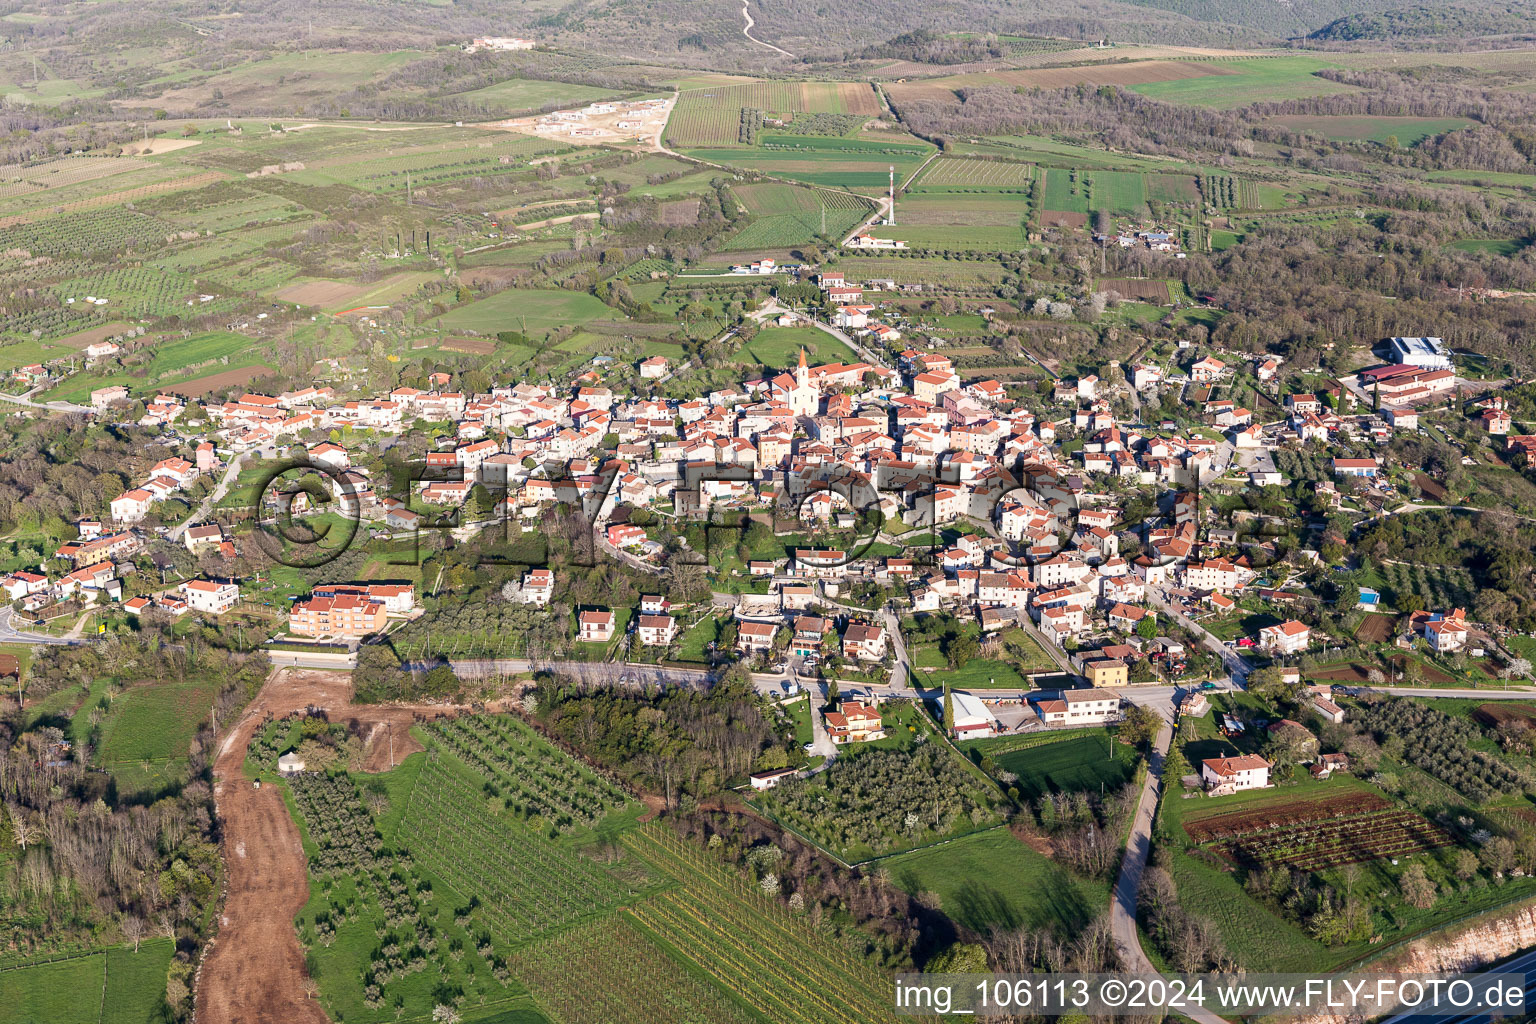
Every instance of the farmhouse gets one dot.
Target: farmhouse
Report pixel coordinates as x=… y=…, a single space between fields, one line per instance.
x=1448 y=633
x=1230 y=774
x=1366 y=468
x=771 y=778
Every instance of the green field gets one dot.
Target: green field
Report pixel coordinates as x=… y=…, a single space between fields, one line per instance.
x=787 y=215
x=1252 y=80
x=170 y=363
x=992 y=881
x=1496 y=246
x=839 y=163
x=154 y=721
x=948 y=220
x=520 y=309
x=1077 y=761
x=779 y=347
x=114 y=986
x=1117 y=191
x=1406 y=131
x=1065 y=190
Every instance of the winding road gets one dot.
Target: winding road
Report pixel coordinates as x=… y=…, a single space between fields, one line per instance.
x=747 y=31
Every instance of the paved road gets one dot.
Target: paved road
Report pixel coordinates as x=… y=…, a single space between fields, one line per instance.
x=1122 y=920
x=231 y=474
x=46 y=406
x=1236 y=667
x=9 y=634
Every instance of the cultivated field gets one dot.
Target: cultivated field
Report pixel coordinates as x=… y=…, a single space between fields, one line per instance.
x=1065 y=191
x=1154 y=291
x=961 y=174
x=334 y=296
x=712 y=116
x=1127 y=74
x=773 y=961
x=526 y=310
x=1405 y=131
x=784 y=215
x=947 y=220
x=1247 y=80
x=856 y=164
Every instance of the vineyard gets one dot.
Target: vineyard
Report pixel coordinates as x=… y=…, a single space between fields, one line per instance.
x=69 y=170
x=530 y=777
x=1271 y=816
x=713 y=117
x=771 y=958
x=608 y=971
x=1225 y=192
x=960 y=172
x=525 y=884
x=1356 y=839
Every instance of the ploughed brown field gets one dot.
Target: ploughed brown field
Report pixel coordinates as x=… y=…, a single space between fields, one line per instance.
x=1295 y=812
x=1154 y=291
x=1496 y=714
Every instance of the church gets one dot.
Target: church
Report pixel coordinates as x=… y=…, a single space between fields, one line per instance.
x=796 y=391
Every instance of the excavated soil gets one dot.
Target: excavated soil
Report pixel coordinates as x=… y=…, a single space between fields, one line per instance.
x=254 y=971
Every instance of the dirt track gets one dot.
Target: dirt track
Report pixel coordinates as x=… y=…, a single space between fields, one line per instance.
x=254 y=972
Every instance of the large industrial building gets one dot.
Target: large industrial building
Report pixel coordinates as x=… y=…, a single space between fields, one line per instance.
x=1430 y=353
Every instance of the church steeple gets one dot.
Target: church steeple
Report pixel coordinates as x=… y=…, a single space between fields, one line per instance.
x=802 y=372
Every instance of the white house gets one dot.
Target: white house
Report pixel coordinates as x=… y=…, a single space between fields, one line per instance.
x=130 y=506
x=1286 y=638
x=1231 y=774
x=213 y=597
x=1079 y=707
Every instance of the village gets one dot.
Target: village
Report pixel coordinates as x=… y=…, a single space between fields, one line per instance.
x=1040 y=526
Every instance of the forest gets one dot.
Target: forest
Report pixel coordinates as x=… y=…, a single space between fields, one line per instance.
x=82 y=864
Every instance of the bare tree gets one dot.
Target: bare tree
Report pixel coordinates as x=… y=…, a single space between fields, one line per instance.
x=135 y=929
x=23 y=831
